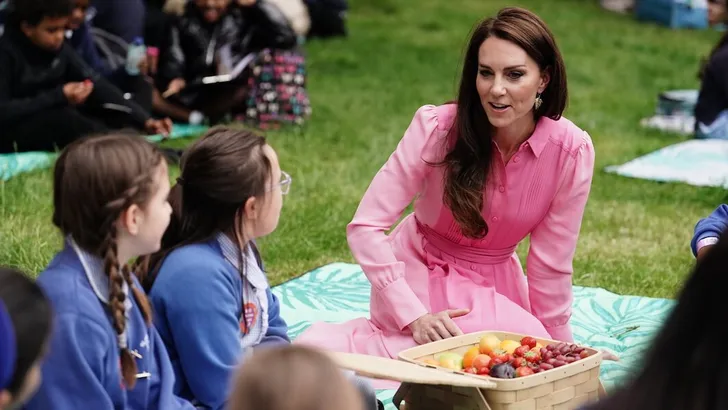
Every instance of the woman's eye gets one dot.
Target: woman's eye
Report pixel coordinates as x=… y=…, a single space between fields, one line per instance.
x=515 y=74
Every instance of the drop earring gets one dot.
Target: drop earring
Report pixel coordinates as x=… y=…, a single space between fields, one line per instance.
x=537 y=103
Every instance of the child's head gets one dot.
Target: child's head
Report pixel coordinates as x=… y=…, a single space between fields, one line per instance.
x=682 y=370
x=110 y=196
x=292 y=378
x=230 y=182
x=25 y=326
x=44 y=22
x=212 y=10
x=78 y=16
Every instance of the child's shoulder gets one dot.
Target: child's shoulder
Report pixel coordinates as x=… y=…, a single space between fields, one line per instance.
x=189 y=264
x=65 y=284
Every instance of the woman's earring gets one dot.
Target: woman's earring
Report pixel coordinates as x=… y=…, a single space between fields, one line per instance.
x=537 y=103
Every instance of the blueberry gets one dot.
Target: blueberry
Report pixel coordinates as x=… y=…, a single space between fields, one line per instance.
x=503 y=371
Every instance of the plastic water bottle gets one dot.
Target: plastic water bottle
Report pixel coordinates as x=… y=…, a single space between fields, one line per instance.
x=135 y=54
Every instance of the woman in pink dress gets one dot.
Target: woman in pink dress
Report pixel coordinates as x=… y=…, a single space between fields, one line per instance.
x=498 y=165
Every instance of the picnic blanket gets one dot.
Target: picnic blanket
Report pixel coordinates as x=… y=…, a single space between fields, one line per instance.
x=12 y=165
x=699 y=162
x=622 y=324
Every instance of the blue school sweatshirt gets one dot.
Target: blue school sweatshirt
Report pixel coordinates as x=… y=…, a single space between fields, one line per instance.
x=82 y=369
x=710 y=227
x=197 y=298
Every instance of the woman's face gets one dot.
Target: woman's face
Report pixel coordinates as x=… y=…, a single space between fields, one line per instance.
x=508 y=80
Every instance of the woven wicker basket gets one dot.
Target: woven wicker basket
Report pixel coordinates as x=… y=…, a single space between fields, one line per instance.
x=563 y=388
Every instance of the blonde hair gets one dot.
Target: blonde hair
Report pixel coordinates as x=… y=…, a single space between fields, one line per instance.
x=292 y=378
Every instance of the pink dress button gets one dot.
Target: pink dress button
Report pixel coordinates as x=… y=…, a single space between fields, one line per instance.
x=495 y=219
x=502 y=188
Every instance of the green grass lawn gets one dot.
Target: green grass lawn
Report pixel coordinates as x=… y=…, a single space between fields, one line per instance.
x=402 y=54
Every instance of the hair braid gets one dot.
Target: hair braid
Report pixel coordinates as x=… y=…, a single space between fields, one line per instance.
x=117 y=299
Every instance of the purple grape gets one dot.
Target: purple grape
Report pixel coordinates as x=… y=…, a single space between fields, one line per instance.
x=559 y=363
x=546 y=366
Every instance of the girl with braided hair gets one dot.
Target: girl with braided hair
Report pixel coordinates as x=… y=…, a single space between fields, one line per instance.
x=110 y=203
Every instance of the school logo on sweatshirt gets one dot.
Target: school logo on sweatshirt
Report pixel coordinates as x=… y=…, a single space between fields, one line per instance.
x=250 y=314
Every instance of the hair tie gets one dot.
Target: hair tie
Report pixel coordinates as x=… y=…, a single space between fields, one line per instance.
x=8 y=350
x=180 y=181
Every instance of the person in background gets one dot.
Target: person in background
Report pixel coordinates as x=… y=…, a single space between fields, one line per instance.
x=45 y=85
x=707 y=231
x=292 y=378
x=211 y=38
x=26 y=320
x=711 y=109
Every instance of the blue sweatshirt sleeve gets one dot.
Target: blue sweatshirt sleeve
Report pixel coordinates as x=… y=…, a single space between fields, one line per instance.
x=199 y=308
x=81 y=370
x=712 y=226
x=277 y=328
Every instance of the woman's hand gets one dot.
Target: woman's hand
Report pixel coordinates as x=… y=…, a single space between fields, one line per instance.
x=163 y=126
x=438 y=326
x=174 y=87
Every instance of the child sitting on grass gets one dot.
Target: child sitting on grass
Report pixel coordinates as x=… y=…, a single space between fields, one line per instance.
x=209 y=291
x=292 y=378
x=48 y=95
x=25 y=327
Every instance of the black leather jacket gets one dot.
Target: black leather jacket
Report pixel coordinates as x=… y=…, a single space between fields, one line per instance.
x=193 y=44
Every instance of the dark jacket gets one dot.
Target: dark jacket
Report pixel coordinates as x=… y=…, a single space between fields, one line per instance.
x=193 y=44
x=32 y=80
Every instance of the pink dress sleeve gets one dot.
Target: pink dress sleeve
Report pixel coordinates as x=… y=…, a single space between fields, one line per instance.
x=390 y=192
x=553 y=243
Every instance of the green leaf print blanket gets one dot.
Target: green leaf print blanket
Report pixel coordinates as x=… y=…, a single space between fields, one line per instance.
x=623 y=324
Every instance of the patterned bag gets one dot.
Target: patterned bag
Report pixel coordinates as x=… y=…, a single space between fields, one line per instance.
x=277 y=90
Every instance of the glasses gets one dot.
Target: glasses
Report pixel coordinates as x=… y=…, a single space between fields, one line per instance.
x=285 y=182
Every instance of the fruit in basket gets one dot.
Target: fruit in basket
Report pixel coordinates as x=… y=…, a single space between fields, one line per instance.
x=481 y=361
x=519 y=362
x=471 y=370
x=488 y=343
x=532 y=357
x=450 y=360
x=509 y=346
x=529 y=341
x=503 y=371
x=500 y=355
x=524 y=371
x=520 y=351
x=469 y=356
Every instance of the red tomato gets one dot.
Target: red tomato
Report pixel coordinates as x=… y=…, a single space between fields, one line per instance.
x=471 y=370
x=520 y=351
x=529 y=341
x=532 y=357
x=524 y=371
x=484 y=371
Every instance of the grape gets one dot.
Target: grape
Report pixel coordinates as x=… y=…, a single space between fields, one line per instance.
x=561 y=358
x=546 y=366
x=559 y=363
x=569 y=359
x=548 y=355
x=560 y=346
x=544 y=350
x=551 y=361
x=565 y=350
x=584 y=354
x=537 y=370
x=578 y=350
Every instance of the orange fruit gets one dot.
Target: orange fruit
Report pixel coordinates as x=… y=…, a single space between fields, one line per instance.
x=488 y=343
x=469 y=356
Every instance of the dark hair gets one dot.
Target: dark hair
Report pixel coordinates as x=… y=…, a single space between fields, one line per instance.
x=219 y=173
x=34 y=11
x=468 y=162
x=31 y=314
x=705 y=61
x=95 y=180
x=681 y=370
x=292 y=378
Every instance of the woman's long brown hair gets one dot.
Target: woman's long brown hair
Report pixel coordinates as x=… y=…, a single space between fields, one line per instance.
x=95 y=180
x=468 y=163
